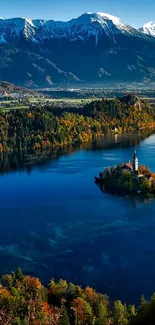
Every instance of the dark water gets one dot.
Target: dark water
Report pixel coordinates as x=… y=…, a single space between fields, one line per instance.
x=55 y=222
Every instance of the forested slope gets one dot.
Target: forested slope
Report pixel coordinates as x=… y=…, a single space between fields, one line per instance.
x=37 y=128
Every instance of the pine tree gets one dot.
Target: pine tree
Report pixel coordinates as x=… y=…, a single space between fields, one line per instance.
x=64 y=319
x=101 y=315
x=132 y=310
x=119 y=313
x=19 y=274
x=143 y=303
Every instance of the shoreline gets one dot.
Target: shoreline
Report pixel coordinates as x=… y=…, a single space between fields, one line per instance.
x=147 y=131
x=111 y=191
x=127 y=179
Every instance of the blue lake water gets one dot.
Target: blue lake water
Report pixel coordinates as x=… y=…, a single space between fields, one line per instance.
x=55 y=222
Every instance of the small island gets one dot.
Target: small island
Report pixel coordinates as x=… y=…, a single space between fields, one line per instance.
x=128 y=178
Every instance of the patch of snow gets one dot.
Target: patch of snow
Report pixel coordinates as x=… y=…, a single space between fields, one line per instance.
x=29 y=21
x=114 y=19
x=83 y=27
x=38 y=22
x=149 y=28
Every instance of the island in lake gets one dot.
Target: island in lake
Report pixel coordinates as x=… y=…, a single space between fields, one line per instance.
x=128 y=178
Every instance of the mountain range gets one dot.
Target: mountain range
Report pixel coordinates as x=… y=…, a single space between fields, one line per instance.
x=95 y=47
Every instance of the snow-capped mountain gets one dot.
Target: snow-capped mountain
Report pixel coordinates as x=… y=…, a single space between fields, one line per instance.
x=149 y=28
x=94 y=47
x=12 y=29
x=83 y=27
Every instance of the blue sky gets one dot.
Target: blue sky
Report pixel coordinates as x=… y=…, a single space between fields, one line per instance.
x=134 y=12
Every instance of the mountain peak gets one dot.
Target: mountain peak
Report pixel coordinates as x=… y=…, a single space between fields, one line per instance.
x=89 y=25
x=149 y=28
x=96 y=47
x=104 y=15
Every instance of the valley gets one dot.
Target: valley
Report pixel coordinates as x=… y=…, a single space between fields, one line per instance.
x=67 y=98
x=77 y=162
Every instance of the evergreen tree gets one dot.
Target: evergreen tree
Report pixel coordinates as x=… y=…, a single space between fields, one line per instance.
x=101 y=315
x=64 y=317
x=143 y=303
x=119 y=313
x=132 y=311
x=19 y=274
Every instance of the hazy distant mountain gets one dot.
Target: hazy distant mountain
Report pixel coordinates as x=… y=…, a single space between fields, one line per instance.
x=92 y=48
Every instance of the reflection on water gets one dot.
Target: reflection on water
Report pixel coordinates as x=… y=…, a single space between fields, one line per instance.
x=22 y=160
x=56 y=223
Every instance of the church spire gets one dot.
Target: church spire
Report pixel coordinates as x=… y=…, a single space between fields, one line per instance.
x=135 y=162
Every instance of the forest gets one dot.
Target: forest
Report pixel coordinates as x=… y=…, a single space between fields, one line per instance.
x=24 y=300
x=36 y=128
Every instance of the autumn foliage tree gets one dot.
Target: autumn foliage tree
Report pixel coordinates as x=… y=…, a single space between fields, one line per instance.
x=25 y=301
x=37 y=128
x=83 y=312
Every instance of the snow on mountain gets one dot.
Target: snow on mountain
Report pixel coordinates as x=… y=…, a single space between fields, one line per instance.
x=83 y=27
x=101 y=17
x=149 y=28
x=92 y=48
x=98 y=23
x=12 y=29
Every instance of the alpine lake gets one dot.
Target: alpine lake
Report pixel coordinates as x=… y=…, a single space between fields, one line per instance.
x=55 y=222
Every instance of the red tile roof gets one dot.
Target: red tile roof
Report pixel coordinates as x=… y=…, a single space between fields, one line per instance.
x=128 y=165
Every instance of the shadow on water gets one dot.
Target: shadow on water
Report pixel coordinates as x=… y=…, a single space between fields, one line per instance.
x=143 y=198
x=29 y=160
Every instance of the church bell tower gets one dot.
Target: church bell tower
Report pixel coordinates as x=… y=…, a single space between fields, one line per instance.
x=135 y=162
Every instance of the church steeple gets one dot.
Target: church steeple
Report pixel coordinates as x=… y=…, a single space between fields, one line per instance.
x=135 y=162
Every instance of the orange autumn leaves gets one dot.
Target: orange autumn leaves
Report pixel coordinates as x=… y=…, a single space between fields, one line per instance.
x=37 y=128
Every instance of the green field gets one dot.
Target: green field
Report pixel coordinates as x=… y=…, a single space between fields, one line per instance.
x=66 y=100
x=7 y=105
